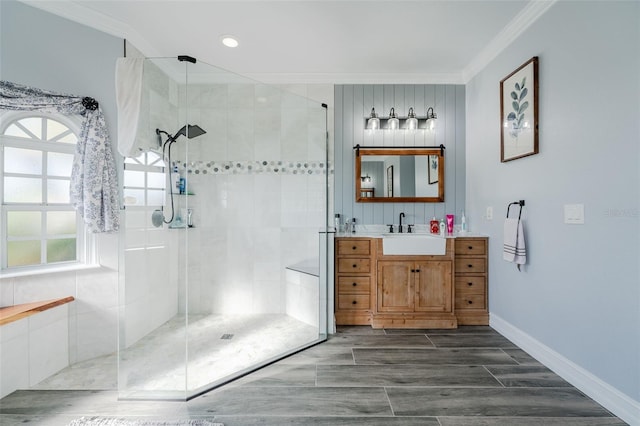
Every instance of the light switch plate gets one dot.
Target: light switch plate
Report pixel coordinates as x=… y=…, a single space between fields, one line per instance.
x=574 y=214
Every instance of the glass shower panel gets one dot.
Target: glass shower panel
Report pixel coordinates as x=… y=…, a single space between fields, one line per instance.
x=235 y=269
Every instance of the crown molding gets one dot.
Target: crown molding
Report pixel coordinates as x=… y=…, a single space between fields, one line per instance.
x=75 y=11
x=356 y=78
x=523 y=20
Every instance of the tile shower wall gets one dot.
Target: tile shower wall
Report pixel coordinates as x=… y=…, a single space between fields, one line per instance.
x=259 y=179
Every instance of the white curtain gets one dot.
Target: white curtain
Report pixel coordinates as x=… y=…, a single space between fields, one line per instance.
x=94 y=182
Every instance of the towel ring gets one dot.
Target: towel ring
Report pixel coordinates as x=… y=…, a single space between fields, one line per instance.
x=520 y=203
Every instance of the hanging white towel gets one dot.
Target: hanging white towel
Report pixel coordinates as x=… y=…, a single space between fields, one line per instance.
x=128 y=97
x=514 y=249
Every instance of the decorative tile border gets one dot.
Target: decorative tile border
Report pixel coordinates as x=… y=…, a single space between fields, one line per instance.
x=303 y=168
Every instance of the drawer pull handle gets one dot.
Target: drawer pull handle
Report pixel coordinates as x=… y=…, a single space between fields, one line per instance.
x=470 y=302
x=354 y=247
x=470 y=284
x=355 y=266
x=354 y=302
x=470 y=266
x=413 y=270
x=355 y=284
x=470 y=247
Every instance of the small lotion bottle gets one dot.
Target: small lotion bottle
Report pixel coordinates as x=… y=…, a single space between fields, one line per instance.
x=443 y=228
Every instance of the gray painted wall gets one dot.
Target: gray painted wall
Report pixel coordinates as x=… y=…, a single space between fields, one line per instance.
x=43 y=50
x=354 y=103
x=579 y=293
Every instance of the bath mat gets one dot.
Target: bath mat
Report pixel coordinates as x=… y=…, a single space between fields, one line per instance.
x=114 y=421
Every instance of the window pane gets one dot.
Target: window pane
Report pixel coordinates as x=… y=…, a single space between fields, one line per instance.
x=21 y=253
x=17 y=160
x=61 y=223
x=58 y=191
x=134 y=197
x=14 y=130
x=155 y=197
x=59 y=164
x=156 y=180
x=33 y=125
x=56 y=131
x=24 y=224
x=62 y=250
x=69 y=138
x=154 y=159
x=133 y=178
x=22 y=190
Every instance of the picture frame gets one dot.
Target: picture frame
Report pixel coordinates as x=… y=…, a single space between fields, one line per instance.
x=390 y=181
x=432 y=170
x=519 y=112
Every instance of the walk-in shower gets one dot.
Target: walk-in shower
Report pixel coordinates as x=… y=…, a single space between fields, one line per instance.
x=243 y=282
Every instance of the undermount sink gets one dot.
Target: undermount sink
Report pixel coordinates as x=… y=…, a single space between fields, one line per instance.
x=413 y=244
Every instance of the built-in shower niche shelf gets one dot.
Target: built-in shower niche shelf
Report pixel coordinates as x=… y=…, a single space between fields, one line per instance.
x=183 y=194
x=181 y=226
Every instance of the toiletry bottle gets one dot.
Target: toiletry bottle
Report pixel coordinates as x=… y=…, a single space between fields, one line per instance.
x=190 y=218
x=337 y=222
x=183 y=185
x=175 y=175
x=443 y=228
x=353 y=225
x=434 y=226
x=463 y=223
x=450 y=220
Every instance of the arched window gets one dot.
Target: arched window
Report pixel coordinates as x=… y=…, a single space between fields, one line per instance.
x=39 y=226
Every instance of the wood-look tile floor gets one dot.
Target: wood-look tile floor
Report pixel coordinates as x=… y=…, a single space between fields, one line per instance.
x=466 y=377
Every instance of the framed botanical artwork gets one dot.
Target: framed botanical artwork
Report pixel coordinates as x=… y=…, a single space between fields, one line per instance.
x=390 y=181
x=432 y=170
x=519 y=112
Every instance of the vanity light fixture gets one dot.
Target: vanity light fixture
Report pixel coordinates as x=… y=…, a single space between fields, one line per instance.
x=374 y=122
x=412 y=121
x=393 y=122
x=229 y=41
x=431 y=119
x=366 y=179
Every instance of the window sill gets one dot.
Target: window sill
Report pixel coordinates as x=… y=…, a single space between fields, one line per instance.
x=50 y=270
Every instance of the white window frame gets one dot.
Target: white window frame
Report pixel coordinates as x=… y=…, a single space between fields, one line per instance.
x=86 y=252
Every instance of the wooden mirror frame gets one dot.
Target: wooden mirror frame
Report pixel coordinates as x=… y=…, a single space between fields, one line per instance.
x=439 y=152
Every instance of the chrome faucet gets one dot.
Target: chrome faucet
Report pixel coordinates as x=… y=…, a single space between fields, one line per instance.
x=400 y=221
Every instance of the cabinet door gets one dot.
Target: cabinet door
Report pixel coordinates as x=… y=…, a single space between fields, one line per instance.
x=433 y=286
x=395 y=286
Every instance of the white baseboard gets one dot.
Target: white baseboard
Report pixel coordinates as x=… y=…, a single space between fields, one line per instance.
x=620 y=404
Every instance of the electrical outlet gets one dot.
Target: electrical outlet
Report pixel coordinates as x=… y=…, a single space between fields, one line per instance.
x=489 y=213
x=574 y=214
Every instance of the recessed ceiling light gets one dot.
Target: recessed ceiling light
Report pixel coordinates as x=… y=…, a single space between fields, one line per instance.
x=229 y=41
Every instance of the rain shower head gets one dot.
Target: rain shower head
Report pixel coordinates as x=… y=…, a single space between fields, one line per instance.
x=190 y=131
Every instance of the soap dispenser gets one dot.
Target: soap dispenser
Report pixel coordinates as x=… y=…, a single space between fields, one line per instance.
x=443 y=228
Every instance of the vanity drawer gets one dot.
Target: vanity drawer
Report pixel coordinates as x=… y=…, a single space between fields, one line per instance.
x=356 y=247
x=470 y=265
x=470 y=285
x=349 y=285
x=361 y=266
x=470 y=247
x=359 y=302
x=470 y=301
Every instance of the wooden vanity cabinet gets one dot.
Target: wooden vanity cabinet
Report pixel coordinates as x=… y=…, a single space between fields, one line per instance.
x=471 y=278
x=408 y=286
x=414 y=291
x=390 y=291
x=355 y=264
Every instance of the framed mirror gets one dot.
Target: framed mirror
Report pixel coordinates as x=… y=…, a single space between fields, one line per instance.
x=392 y=175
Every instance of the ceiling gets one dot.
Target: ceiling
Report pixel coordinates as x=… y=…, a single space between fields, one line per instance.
x=317 y=41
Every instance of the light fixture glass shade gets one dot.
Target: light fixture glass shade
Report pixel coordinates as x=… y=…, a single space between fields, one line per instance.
x=393 y=122
x=412 y=121
x=373 y=122
x=431 y=119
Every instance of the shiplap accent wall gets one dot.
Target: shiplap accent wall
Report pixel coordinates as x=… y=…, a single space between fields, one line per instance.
x=354 y=102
